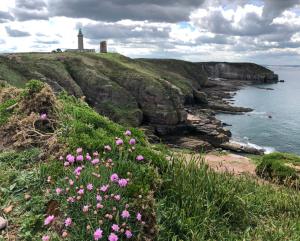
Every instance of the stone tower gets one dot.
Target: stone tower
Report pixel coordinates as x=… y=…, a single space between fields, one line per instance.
x=103 y=47
x=80 y=40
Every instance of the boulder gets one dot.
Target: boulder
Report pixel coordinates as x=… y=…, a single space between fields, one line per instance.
x=3 y=223
x=194 y=144
x=237 y=147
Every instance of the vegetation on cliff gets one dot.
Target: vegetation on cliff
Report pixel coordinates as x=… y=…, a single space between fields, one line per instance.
x=280 y=168
x=51 y=187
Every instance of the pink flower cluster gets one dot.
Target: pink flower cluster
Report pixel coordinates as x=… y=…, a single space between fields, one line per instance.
x=106 y=202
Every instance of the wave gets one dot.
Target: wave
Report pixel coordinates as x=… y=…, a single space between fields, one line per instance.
x=266 y=149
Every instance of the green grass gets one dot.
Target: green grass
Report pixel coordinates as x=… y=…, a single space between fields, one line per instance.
x=19 y=175
x=5 y=112
x=6 y=73
x=198 y=204
x=280 y=168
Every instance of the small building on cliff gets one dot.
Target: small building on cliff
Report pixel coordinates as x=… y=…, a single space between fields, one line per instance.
x=81 y=48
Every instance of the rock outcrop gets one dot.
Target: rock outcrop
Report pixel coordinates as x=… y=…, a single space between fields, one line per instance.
x=240 y=71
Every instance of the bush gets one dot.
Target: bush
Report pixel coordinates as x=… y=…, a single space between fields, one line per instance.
x=34 y=86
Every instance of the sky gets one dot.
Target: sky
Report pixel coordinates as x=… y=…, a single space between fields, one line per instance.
x=260 y=31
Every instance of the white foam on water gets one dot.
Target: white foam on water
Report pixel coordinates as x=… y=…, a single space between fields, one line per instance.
x=266 y=149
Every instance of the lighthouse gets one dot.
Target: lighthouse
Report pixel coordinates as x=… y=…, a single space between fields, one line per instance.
x=80 y=41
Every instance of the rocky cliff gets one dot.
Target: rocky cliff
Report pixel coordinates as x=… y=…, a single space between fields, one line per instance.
x=136 y=92
x=239 y=71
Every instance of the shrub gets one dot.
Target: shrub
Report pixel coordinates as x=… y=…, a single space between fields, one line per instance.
x=34 y=86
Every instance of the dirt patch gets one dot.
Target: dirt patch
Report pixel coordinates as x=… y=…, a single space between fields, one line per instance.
x=231 y=163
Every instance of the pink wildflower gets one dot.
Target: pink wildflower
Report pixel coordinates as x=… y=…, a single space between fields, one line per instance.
x=81 y=191
x=68 y=222
x=85 y=208
x=49 y=220
x=139 y=217
x=99 y=206
x=117 y=197
x=71 y=182
x=98 y=198
x=128 y=133
x=79 y=150
x=114 y=177
x=98 y=234
x=43 y=116
x=70 y=158
x=66 y=164
x=95 y=154
x=139 y=158
x=58 y=191
x=119 y=142
x=88 y=157
x=104 y=188
x=78 y=171
x=125 y=214
x=45 y=238
x=107 y=148
x=128 y=234
x=123 y=182
x=79 y=158
x=95 y=161
x=132 y=141
x=70 y=199
x=89 y=187
x=113 y=237
x=115 y=227
x=61 y=158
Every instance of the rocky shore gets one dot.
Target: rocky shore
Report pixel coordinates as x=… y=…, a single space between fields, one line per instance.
x=202 y=130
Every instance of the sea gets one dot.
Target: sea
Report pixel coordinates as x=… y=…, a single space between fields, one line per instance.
x=274 y=125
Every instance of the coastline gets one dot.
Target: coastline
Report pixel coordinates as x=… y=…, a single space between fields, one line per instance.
x=210 y=133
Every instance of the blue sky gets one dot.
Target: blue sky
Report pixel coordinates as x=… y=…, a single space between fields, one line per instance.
x=261 y=31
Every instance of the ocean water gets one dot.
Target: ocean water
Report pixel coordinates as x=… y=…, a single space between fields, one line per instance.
x=282 y=131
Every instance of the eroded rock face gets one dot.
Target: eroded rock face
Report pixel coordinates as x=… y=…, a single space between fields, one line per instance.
x=240 y=71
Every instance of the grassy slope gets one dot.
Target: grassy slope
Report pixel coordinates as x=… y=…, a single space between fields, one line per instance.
x=192 y=203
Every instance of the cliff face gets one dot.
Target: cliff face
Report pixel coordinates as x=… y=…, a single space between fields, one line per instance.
x=129 y=91
x=239 y=71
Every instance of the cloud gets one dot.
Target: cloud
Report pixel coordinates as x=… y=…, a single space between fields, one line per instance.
x=273 y=8
x=114 y=10
x=47 y=42
x=16 y=33
x=122 y=31
x=31 y=10
x=5 y=16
